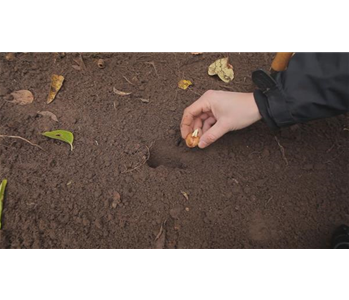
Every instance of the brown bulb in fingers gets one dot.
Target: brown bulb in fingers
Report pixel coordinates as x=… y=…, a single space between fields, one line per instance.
x=192 y=139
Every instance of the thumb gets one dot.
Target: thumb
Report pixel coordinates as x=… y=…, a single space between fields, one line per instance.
x=212 y=135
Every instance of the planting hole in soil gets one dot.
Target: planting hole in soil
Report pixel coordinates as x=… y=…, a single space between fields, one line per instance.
x=167 y=154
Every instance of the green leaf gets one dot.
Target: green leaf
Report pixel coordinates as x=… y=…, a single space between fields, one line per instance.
x=62 y=135
x=2 y=195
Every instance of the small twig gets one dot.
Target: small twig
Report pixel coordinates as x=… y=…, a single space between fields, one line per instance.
x=127 y=80
x=142 y=56
x=83 y=66
x=195 y=92
x=331 y=160
x=161 y=230
x=330 y=149
x=265 y=205
x=153 y=64
x=282 y=150
x=20 y=138
x=175 y=98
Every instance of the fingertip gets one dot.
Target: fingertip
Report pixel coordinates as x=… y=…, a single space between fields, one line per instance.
x=202 y=144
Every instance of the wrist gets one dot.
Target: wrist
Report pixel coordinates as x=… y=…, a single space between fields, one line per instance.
x=262 y=103
x=255 y=113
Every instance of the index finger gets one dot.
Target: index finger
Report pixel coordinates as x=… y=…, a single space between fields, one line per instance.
x=199 y=107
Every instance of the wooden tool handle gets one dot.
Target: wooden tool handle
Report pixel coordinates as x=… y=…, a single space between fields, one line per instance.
x=280 y=61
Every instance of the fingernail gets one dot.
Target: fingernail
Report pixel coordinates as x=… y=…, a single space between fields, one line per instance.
x=202 y=144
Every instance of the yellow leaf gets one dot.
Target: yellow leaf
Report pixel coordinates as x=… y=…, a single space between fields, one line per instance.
x=2 y=195
x=223 y=69
x=56 y=84
x=184 y=84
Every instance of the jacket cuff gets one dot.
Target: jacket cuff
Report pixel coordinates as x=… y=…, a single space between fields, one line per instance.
x=273 y=107
x=262 y=104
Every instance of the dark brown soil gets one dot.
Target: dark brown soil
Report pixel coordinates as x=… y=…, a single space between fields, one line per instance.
x=242 y=193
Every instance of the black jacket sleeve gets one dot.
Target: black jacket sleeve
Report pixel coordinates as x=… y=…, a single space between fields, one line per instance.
x=314 y=86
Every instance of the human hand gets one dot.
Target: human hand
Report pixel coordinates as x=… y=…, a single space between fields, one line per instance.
x=217 y=112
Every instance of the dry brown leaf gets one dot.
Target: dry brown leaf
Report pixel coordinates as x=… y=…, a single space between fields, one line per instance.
x=196 y=53
x=48 y=114
x=100 y=63
x=120 y=93
x=184 y=84
x=80 y=65
x=56 y=84
x=223 y=69
x=22 y=97
x=78 y=68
